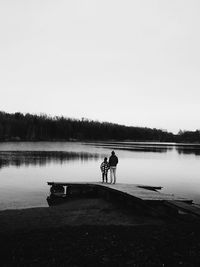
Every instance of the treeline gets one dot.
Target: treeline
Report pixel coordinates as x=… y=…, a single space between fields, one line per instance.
x=28 y=127
x=189 y=136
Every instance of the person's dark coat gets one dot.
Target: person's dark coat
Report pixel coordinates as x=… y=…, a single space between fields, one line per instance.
x=113 y=160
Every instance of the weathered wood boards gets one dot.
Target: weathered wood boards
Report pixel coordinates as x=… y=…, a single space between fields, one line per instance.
x=137 y=195
x=146 y=193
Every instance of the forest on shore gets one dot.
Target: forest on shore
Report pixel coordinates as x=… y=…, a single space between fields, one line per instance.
x=30 y=127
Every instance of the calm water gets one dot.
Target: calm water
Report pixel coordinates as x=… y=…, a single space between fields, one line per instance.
x=25 y=168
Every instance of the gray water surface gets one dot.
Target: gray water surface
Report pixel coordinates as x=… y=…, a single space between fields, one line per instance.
x=25 y=168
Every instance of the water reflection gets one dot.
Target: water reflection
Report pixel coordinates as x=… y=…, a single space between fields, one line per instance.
x=150 y=147
x=195 y=150
x=145 y=149
x=135 y=147
x=167 y=166
x=26 y=158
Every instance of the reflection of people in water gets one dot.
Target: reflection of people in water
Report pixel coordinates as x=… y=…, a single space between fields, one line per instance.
x=104 y=169
x=113 y=161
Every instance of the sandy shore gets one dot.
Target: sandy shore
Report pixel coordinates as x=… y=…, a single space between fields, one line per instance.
x=92 y=232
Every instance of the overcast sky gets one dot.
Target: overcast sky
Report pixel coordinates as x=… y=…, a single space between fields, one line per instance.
x=131 y=62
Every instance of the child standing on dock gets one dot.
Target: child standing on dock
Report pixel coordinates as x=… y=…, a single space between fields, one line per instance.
x=104 y=169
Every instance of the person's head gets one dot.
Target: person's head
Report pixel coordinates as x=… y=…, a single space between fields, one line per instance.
x=105 y=159
x=113 y=153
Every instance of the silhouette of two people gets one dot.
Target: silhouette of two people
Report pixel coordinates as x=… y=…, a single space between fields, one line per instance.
x=109 y=165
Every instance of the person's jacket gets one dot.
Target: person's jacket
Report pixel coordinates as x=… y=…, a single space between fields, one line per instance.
x=113 y=160
x=105 y=166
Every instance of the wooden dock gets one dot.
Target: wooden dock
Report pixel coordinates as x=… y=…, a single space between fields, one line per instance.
x=130 y=194
x=146 y=193
x=143 y=192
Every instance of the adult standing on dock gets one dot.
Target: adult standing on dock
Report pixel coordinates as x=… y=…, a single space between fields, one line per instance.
x=113 y=161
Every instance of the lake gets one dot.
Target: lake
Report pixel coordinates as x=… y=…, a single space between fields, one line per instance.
x=25 y=168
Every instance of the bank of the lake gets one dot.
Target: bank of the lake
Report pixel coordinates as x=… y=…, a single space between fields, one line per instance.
x=92 y=232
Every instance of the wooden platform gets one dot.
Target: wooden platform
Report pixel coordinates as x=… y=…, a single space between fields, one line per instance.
x=147 y=193
x=143 y=192
x=144 y=198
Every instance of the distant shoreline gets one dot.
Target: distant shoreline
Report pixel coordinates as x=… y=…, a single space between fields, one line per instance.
x=162 y=143
x=29 y=127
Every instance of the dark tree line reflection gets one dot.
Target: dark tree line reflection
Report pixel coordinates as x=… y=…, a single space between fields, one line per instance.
x=147 y=149
x=135 y=147
x=26 y=158
x=195 y=150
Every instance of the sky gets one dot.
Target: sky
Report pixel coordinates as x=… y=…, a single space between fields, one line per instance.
x=132 y=62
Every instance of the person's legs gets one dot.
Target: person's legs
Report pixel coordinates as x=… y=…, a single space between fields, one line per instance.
x=114 y=175
x=106 y=176
x=111 y=174
x=102 y=177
